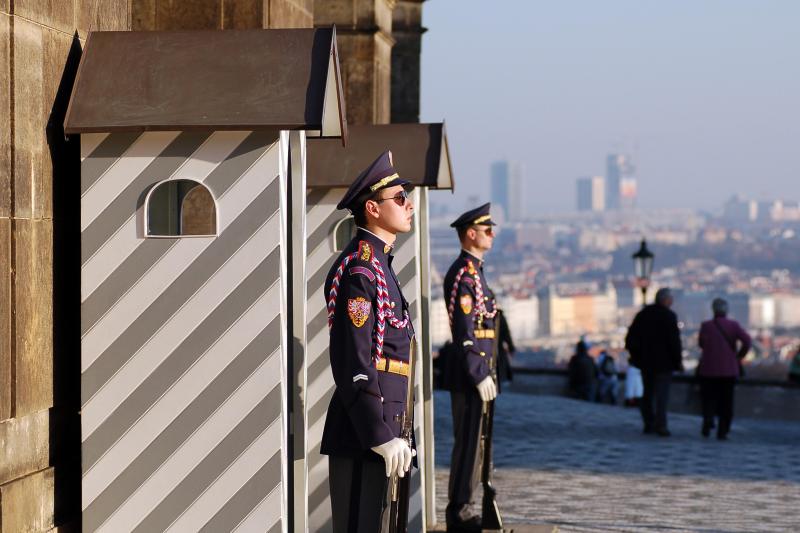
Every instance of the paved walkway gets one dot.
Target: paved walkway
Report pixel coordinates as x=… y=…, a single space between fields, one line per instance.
x=586 y=468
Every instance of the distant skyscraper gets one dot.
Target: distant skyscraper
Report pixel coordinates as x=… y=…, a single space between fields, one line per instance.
x=506 y=189
x=591 y=193
x=627 y=192
x=620 y=173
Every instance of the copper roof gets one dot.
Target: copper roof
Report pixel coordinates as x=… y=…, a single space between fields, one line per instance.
x=231 y=79
x=419 y=153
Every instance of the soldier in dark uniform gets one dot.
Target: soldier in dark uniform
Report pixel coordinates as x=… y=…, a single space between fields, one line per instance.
x=472 y=310
x=370 y=337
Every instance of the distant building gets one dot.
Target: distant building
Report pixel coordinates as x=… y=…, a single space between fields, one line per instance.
x=762 y=311
x=787 y=310
x=522 y=315
x=628 y=190
x=591 y=193
x=572 y=309
x=597 y=239
x=619 y=171
x=535 y=236
x=694 y=307
x=506 y=190
x=739 y=210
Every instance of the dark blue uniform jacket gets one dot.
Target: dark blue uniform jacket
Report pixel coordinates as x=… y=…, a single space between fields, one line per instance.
x=471 y=353
x=367 y=404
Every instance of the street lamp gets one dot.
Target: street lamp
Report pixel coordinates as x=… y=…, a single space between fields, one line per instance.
x=642 y=268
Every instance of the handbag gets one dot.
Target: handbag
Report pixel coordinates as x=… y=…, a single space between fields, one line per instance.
x=732 y=344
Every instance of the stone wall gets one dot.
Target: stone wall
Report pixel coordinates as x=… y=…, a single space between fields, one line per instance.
x=39 y=377
x=220 y=14
x=364 y=31
x=753 y=398
x=407 y=31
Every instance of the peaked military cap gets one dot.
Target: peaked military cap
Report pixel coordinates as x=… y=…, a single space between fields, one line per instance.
x=478 y=216
x=379 y=175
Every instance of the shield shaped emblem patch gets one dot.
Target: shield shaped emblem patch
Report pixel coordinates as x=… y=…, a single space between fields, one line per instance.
x=358 y=309
x=466 y=303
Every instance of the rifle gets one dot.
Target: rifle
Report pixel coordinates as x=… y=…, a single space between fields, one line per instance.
x=490 y=512
x=400 y=488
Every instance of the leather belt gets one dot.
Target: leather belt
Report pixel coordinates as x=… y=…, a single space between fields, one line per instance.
x=484 y=334
x=393 y=366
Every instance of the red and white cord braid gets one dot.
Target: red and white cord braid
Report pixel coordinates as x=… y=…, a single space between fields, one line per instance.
x=382 y=296
x=480 y=304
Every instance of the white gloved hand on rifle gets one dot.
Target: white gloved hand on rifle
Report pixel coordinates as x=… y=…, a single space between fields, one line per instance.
x=396 y=455
x=487 y=389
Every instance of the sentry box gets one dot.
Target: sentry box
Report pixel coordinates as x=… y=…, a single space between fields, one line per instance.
x=420 y=154
x=189 y=142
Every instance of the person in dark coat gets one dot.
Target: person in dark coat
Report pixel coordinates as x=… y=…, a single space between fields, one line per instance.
x=370 y=339
x=654 y=344
x=718 y=368
x=582 y=373
x=472 y=311
x=505 y=349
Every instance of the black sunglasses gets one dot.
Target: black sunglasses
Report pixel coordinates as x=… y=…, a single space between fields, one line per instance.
x=399 y=198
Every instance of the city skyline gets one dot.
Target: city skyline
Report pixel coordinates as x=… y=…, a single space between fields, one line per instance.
x=704 y=102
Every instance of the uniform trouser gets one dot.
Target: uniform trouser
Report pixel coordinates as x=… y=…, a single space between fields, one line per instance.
x=717 y=394
x=655 y=398
x=464 y=463
x=359 y=495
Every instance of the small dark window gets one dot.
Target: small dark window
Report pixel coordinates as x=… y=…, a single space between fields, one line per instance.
x=178 y=208
x=343 y=233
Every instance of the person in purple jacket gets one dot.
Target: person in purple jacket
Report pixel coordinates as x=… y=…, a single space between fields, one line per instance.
x=718 y=368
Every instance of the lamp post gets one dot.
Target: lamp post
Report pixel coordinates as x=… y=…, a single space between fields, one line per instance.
x=642 y=268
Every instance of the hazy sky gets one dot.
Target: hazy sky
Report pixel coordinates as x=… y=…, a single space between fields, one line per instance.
x=705 y=95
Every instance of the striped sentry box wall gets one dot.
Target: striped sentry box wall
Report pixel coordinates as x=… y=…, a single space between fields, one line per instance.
x=183 y=347
x=321 y=222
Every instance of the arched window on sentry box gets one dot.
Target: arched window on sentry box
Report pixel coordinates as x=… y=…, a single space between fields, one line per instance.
x=343 y=233
x=180 y=208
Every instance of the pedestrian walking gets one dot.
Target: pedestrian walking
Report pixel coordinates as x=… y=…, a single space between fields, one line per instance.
x=654 y=344
x=719 y=367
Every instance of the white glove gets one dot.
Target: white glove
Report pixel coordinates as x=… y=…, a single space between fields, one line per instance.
x=396 y=455
x=487 y=389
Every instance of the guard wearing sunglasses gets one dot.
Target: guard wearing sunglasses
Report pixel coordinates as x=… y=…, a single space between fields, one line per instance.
x=471 y=308
x=370 y=340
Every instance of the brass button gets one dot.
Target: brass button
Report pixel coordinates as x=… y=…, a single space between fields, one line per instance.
x=393 y=305
x=483 y=354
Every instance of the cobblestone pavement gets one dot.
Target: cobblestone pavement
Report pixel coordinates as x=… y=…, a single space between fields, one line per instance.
x=587 y=467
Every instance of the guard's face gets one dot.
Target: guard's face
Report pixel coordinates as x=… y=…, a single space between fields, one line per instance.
x=396 y=209
x=484 y=237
